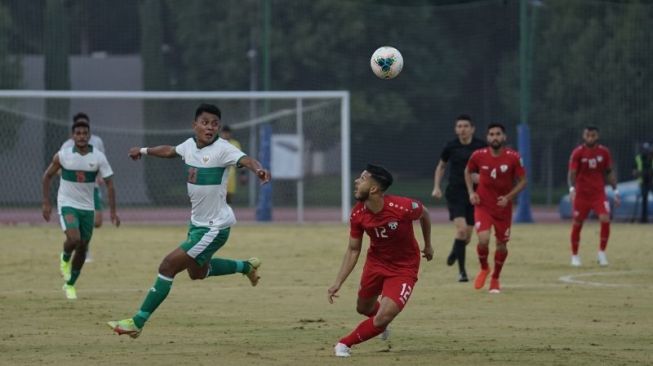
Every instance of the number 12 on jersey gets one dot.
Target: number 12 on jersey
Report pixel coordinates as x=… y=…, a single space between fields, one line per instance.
x=380 y=232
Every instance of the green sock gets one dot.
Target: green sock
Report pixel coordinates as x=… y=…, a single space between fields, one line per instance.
x=221 y=267
x=66 y=256
x=73 y=276
x=154 y=298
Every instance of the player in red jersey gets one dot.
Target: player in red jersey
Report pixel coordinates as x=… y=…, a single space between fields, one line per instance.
x=501 y=177
x=393 y=258
x=589 y=165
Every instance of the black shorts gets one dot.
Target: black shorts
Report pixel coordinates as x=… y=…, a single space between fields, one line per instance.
x=459 y=206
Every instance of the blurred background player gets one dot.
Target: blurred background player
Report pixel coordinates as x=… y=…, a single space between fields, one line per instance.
x=501 y=178
x=643 y=171
x=393 y=257
x=455 y=154
x=80 y=165
x=98 y=144
x=235 y=176
x=206 y=158
x=589 y=166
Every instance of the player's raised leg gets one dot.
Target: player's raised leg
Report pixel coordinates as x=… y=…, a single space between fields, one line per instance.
x=483 y=250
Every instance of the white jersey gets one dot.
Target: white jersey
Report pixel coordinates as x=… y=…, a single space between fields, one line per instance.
x=78 y=173
x=207 y=177
x=95 y=140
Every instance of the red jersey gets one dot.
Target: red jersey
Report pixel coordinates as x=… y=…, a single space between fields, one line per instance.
x=591 y=165
x=497 y=175
x=392 y=240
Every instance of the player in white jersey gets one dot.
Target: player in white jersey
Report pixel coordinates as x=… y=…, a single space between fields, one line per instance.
x=207 y=158
x=98 y=144
x=79 y=165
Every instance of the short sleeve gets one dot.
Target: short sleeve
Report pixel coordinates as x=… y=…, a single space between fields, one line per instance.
x=355 y=228
x=182 y=148
x=446 y=153
x=472 y=163
x=573 y=159
x=415 y=210
x=104 y=167
x=520 y=171
x=229 y=154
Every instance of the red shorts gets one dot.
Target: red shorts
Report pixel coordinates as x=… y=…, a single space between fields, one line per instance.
x=376 y=281
x=583 y=206
x=484 y=221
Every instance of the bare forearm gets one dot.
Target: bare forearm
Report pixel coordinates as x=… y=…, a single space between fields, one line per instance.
x=347 y=266
x=437 y=178
x=251 y=164
x=112 y=198
x=425 y=223
x=46 y=188
x=162 y=151
x=521 y=184
x=469 y=182
x=571 y=179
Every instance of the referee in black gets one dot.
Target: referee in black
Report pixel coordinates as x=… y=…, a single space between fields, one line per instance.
x=456 y=153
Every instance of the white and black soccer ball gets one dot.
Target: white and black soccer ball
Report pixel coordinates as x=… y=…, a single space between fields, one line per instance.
x=387 y=62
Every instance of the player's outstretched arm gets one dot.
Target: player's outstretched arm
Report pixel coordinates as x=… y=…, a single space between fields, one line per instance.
x=254 y=165
x=163 y=151
x=437 y=179
x=50 y=171
x=112 y=201
x=425 y=223
x=348 y=264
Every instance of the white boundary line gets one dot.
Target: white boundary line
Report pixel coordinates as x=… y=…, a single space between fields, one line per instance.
x=572 y=279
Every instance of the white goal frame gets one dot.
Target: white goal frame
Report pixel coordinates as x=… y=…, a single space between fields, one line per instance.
x=299 y=96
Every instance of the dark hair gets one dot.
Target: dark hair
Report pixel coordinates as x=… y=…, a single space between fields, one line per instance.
x=208 y=108
x=81 y=115
x=496 y=125
x=226 y=128
x=592 y=128
x=80 y=123
x=380 y=175
x=465 y=117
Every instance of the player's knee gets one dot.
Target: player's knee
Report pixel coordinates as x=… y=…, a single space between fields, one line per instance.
x=363 y=309
x=382 y=320
x=461 y=234
x=167 y=268
x=196 y=275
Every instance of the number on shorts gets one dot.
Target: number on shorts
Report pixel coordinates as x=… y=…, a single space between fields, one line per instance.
x=405 y=292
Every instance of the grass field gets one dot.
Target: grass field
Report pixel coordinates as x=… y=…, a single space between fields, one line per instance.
x=604 y=319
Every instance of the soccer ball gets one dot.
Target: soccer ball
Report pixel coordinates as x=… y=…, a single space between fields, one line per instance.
x=387 y=62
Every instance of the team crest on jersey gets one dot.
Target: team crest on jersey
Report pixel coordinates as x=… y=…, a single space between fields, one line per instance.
x=393 y=225
x=504 y=168
x=91 y=165
x=599 y=158
x=205 y=159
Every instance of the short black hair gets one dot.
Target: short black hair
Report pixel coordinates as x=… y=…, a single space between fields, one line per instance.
x=81 y=115
x=465 y=117
x=380 y=175
x=496 y=125
x=80 y=123
x=208 y=108
x=226 y=128
x=592 y=128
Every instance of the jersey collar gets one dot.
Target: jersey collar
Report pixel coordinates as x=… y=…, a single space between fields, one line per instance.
x=76 y=150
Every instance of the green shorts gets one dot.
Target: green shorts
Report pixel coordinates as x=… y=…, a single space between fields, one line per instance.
x=82 y=220
x=203 y=242
x=97 y=199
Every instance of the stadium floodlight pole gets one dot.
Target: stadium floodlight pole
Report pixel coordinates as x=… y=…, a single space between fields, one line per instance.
x=523 y=133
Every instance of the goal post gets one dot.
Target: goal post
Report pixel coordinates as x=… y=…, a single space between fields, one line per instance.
x=313 y=127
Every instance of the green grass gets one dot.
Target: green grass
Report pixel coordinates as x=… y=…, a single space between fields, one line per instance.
x=286 y=320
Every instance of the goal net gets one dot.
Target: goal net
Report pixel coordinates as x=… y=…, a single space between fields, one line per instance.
x=303 y=137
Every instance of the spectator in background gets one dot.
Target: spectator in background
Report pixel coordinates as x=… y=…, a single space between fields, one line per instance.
x=225 y=133
x=644 y=172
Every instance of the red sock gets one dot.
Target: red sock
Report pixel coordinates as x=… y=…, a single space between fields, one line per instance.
x=483 y=252
x=575 y=237
x=605 y=235
x=499 y=260
x=364 y=331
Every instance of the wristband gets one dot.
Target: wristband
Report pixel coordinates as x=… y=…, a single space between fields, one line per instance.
x=143 y=150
